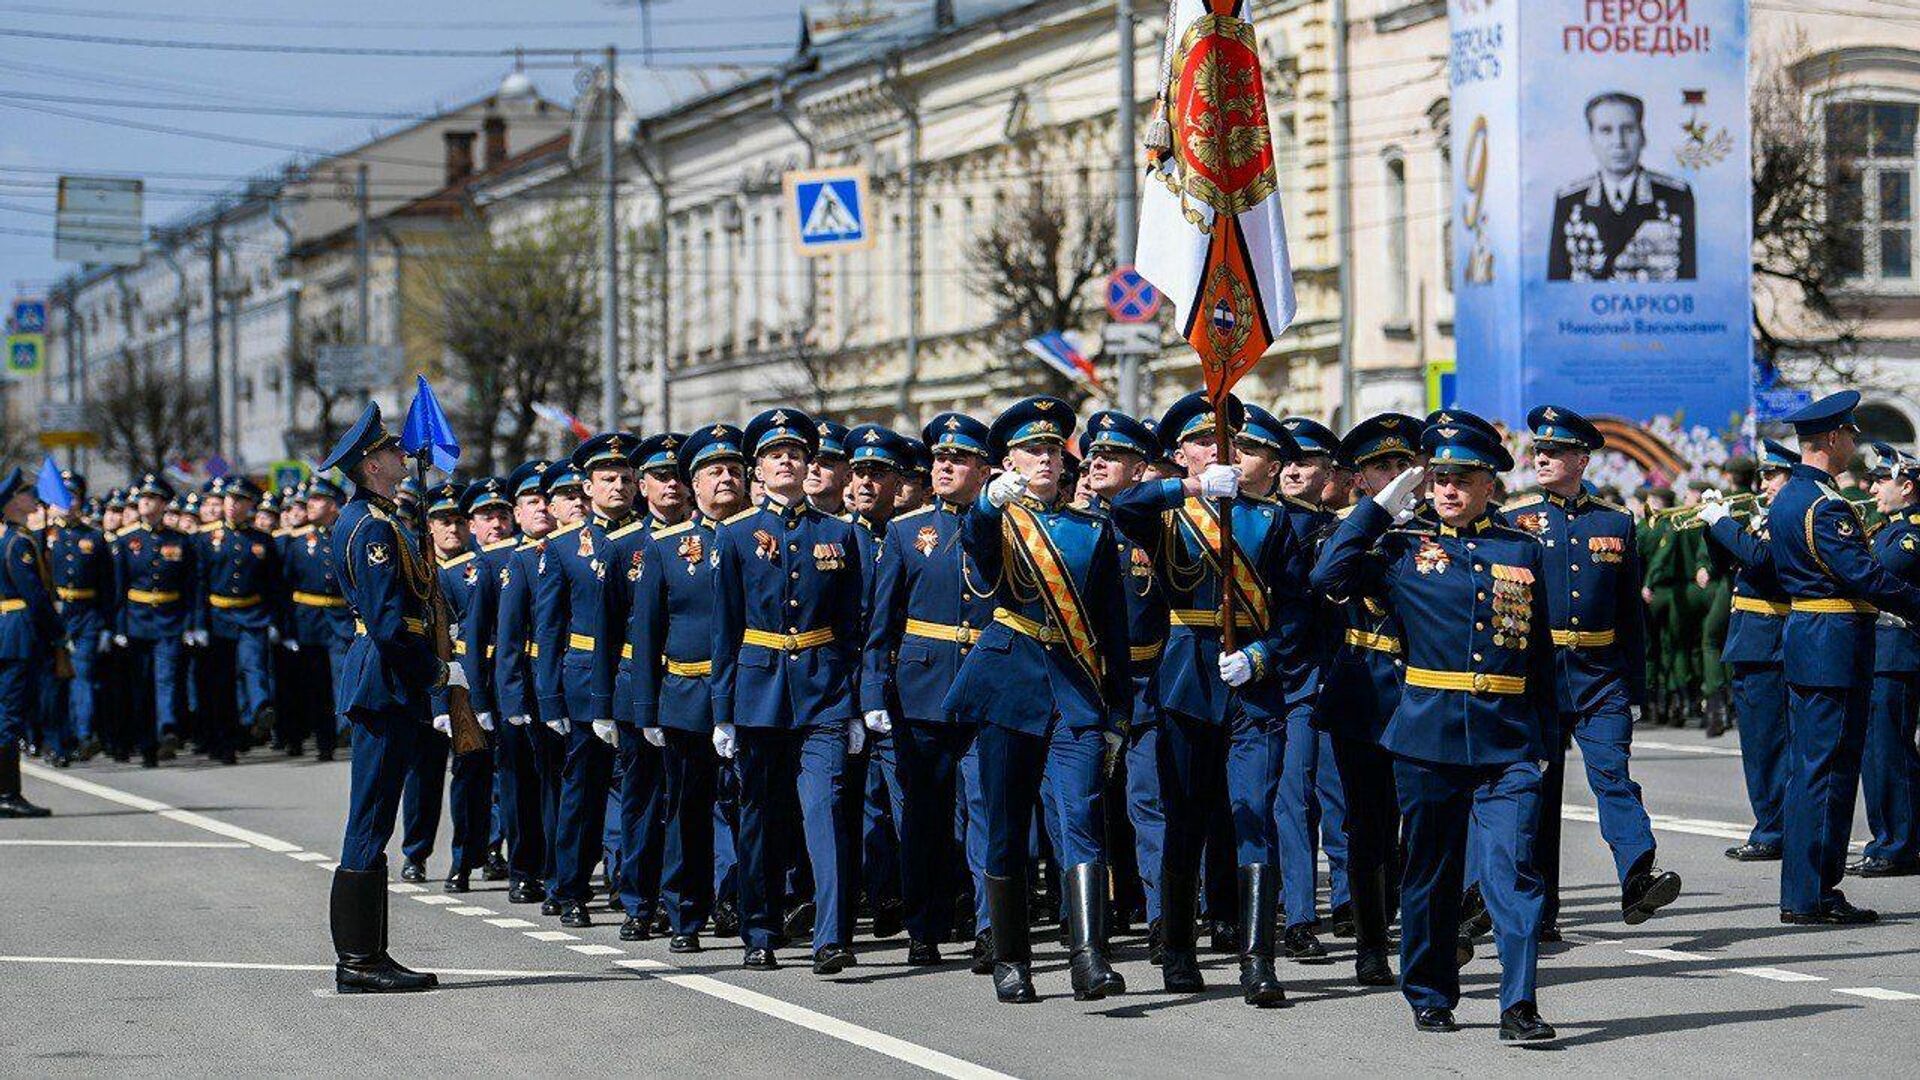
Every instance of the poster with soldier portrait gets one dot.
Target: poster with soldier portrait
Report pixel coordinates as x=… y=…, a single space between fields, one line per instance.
x=1601 y=190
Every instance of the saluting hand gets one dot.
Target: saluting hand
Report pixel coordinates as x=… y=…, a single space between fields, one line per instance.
x=1220 y=481
x=1398 y=497
x=1005 y=488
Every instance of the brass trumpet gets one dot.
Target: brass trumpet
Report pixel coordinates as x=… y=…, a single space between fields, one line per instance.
x=1682 y=518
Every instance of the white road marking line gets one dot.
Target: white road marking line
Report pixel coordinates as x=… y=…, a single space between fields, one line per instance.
x=1685 y=748
x=470 y=909
x=512 y=924
x=1720 y=830
x=597 y=950
x=833 y=1027
x=328 y=866
x=152 y=806
x=1668 y=954
x=404 y=887
x=1877 y=993
x=1778 y=974
x=552 y=935
x=307 y=856
x=437 y=899
x=230 y=965
x=228 y=844
x=1582 y=937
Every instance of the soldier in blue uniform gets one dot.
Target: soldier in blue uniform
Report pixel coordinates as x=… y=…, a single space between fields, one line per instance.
x=1753 y=653
x=530 y=753
x=929 y=606
x=157 y=579
x=1890 y=767
x=916 y=479
x=1047 y=686
x=426 y=785
x=829 y=471
x=1476 y=707
x=490 y=525
x=786 y=649
x=1223 y=712
x=667 y=700
x=319 y=624
x=1118 y=449
x=31 y=635
x=1598 y=625
x=241 y=581
x=470 y=794
x=1358 y=694
x=385 y=679
x=1835 y=589
x=82 y=565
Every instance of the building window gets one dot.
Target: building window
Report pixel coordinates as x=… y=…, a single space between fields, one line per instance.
x=1396 y=222
x=1870 y=183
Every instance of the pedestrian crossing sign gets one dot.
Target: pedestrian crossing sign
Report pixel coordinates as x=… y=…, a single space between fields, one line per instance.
x=829 y=209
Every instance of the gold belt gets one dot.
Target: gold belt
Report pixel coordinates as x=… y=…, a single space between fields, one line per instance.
x=1478 y=682
x=151 y=598
x=407 y=623
x=794 y=642
x=1142 y=653
x=13 y=604
x=533 y=649
x=1835 y=607
x=1753 y=605
x=67 y=592
x=230 y=603
x=689 y=669
x=1367 y=639
x=1583 y=639
x=964 y=635
x=459 y=647
x=1209 y=619
x=585 y=643
x=1020 y=624
x=314 y=599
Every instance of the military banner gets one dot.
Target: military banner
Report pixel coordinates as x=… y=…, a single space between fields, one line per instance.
x=1600 y=207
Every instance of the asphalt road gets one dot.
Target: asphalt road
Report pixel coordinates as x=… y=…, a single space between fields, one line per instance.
x=174 y=921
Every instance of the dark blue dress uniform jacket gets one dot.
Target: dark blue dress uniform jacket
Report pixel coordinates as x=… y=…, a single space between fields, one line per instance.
x=1470 y=605
x=1820 y=551
x=621 y=562
x=1592 y=587
x=29 y=624
x=1016 y=680
x=670 y=630
x=462 y=583
x=391 y=664
x=571 y=583
x=1146 y=617
x=514 y=651
x=787 y=629
x=316 y=608
x=81 y=561
x=1361 y=683
x=1897 y=547
x=480 y=627
x=1188 y=678
x=240 y=580
x=1753 y=634
x=160 y=583
x=929 y=606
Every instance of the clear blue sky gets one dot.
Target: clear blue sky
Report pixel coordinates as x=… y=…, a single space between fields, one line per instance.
x=41 y=79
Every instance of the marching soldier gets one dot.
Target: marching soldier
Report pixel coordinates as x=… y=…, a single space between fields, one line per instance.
x=916 y=479
x=321 y=628
x=31 y=636
x=241 y=581
x=1597 y=621
x=547 y=644
x=470 y=795
x=1047 y=686
x=1223 y=712
x=157 y=582
x=490 y=521
x=530 y=752
x=82 y=565
x=1474 y=714
x=1753 y=653
x=829 y=471
x=1890 y=775
x=1834 y=587
x=426 y=785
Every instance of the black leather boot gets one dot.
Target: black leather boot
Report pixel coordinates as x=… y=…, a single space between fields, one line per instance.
x=1259 y=896
x=358 y=912
x=12 y=803
x=1012 y=948
x=1093 y=977
x=1370 y=964
x=1179 y=966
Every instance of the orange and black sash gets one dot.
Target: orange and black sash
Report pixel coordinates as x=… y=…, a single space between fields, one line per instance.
x=1248 y=589
x=1028 y=540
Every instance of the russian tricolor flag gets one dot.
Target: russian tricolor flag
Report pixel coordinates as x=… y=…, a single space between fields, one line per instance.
x=1058 y=353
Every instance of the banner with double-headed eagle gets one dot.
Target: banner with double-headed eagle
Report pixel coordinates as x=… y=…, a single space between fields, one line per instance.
x=1212 y=236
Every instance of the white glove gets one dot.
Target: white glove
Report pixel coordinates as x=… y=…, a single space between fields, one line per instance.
x=723 y=740
x=605 y=732
x=560 y=726
x=1634 y=712
x=1113 y=740
x=1236 y=668
x=520 y=721
x=273 y=635
x=1398 y=497
x=485 y=720
x=443 y=724
x=457 y=676
x=1220 y=481
x=292 y=645
x=107 y=640
x=656 y=737
x=1005 y=488
x=119 y=641
x=1712 y=510
x=879 y=722
x=856 y=736
x=1709 y=495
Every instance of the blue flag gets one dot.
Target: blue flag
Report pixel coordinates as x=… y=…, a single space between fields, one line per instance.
x=51 y=487
x=427 y=429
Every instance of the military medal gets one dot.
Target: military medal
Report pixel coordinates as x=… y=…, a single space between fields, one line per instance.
x=690 y=550
x=1431 y=558
x=586 y=544
x=927 y=539
x=1535 y=523
x=765 y=546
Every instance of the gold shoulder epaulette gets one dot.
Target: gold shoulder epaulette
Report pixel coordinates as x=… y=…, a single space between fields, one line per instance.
x=1609 y=504
x=1522 y=501
x=627 y=528
x=461 y=559
x=674 y=530
x=915 y=513
x=498 y=544
x=531 y=542
x=565 y=530
x=742 y=515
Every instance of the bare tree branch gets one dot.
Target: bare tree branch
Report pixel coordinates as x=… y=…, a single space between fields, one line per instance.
x=1034 y=265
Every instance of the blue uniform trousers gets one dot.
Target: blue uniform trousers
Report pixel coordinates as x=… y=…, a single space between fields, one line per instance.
x=157 y=675
x=19 y=693
x=1760 y=708
x=1890 y=768
x=1014 y=767
x=638 y=782
x=518 y=778
x=70 y=702
x=1144 y=810
x=425 y=790
x=880 y=821
x=688 y=767
x=1197 y=760
x=470 y=806
x=726 y=832
x=1605 y=736
x=970 y=827
x=550 y=762
x=384 y=745
x=933 y=868
x=1438 y=802
x=812 y=763
x=580 y=832
x=1308 y=806
x=1371 y=817
x=1829 y=730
